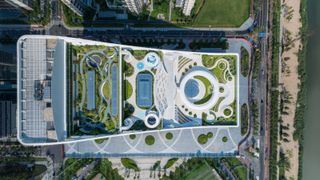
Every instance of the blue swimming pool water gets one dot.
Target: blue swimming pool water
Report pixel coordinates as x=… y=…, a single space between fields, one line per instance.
x=144 y=90
x=114 y=92
x=91 y=103
x=191 y=88
x=140 y=65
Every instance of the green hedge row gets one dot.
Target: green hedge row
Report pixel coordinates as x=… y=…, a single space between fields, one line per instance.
x=274 y=119
x=301 y=101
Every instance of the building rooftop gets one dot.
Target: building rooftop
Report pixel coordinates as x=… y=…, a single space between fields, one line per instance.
x=73 y=90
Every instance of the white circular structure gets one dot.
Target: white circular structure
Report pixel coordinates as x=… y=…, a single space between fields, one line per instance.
x=152 y=120
x=215 y=94
x=152 y=59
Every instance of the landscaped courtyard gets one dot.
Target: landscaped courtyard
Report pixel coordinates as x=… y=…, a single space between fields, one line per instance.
x=96 y=87
x=171 y=90
x=119 y=89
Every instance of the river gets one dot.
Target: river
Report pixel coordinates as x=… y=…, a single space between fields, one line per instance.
x=311 y=154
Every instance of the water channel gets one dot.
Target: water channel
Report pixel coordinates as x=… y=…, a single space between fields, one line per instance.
x=311 y=155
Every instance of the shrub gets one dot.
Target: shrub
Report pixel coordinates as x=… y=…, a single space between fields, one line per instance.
x=202 y=139
x=130 y=164
x=132 y=136
x=244 y=119
x=100 y=141
x=170 y=162
x=128 y=89
x=210 y=135
x=169 y=135
x=224 y=139
x=227 y=112
x=244 y=62
x=149 y=140
x=128 y=69
x=221 y=90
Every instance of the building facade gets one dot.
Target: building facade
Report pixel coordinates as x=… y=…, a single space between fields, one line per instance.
x=134 y=6
x=23 y=4
x=74 y=5
x=8 y=107
x=187 y=7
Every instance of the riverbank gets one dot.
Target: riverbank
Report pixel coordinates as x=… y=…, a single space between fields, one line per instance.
x=302 y=96
x=289 y=81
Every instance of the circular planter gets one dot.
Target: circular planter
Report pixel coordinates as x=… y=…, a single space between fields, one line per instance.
x=169 y=136
x=149 y=140
x=202 y=139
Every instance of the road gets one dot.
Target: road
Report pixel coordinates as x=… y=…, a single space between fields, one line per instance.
x=262 y=88
x=260 y=165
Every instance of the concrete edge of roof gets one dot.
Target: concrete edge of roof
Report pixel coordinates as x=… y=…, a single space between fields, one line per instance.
x=123 y=134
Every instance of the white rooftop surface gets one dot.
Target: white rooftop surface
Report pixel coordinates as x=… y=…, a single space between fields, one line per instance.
x=30 y=111
x=32 y=67
x=59 y=91
x=32 y=128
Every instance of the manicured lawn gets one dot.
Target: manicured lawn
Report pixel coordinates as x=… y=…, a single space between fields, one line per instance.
x=100 y=141
x=219 y=73
x=160 y=8
x=206 y=83
x=244 y=119
x=139 y=54
x=106 y=90
x=209 y=60
x=130 y=164
x=241 y=172
x=128 y=89
x=216 y=106
x=223 y=13
x=244 y=62
x=208 y=90
x=202 y=172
